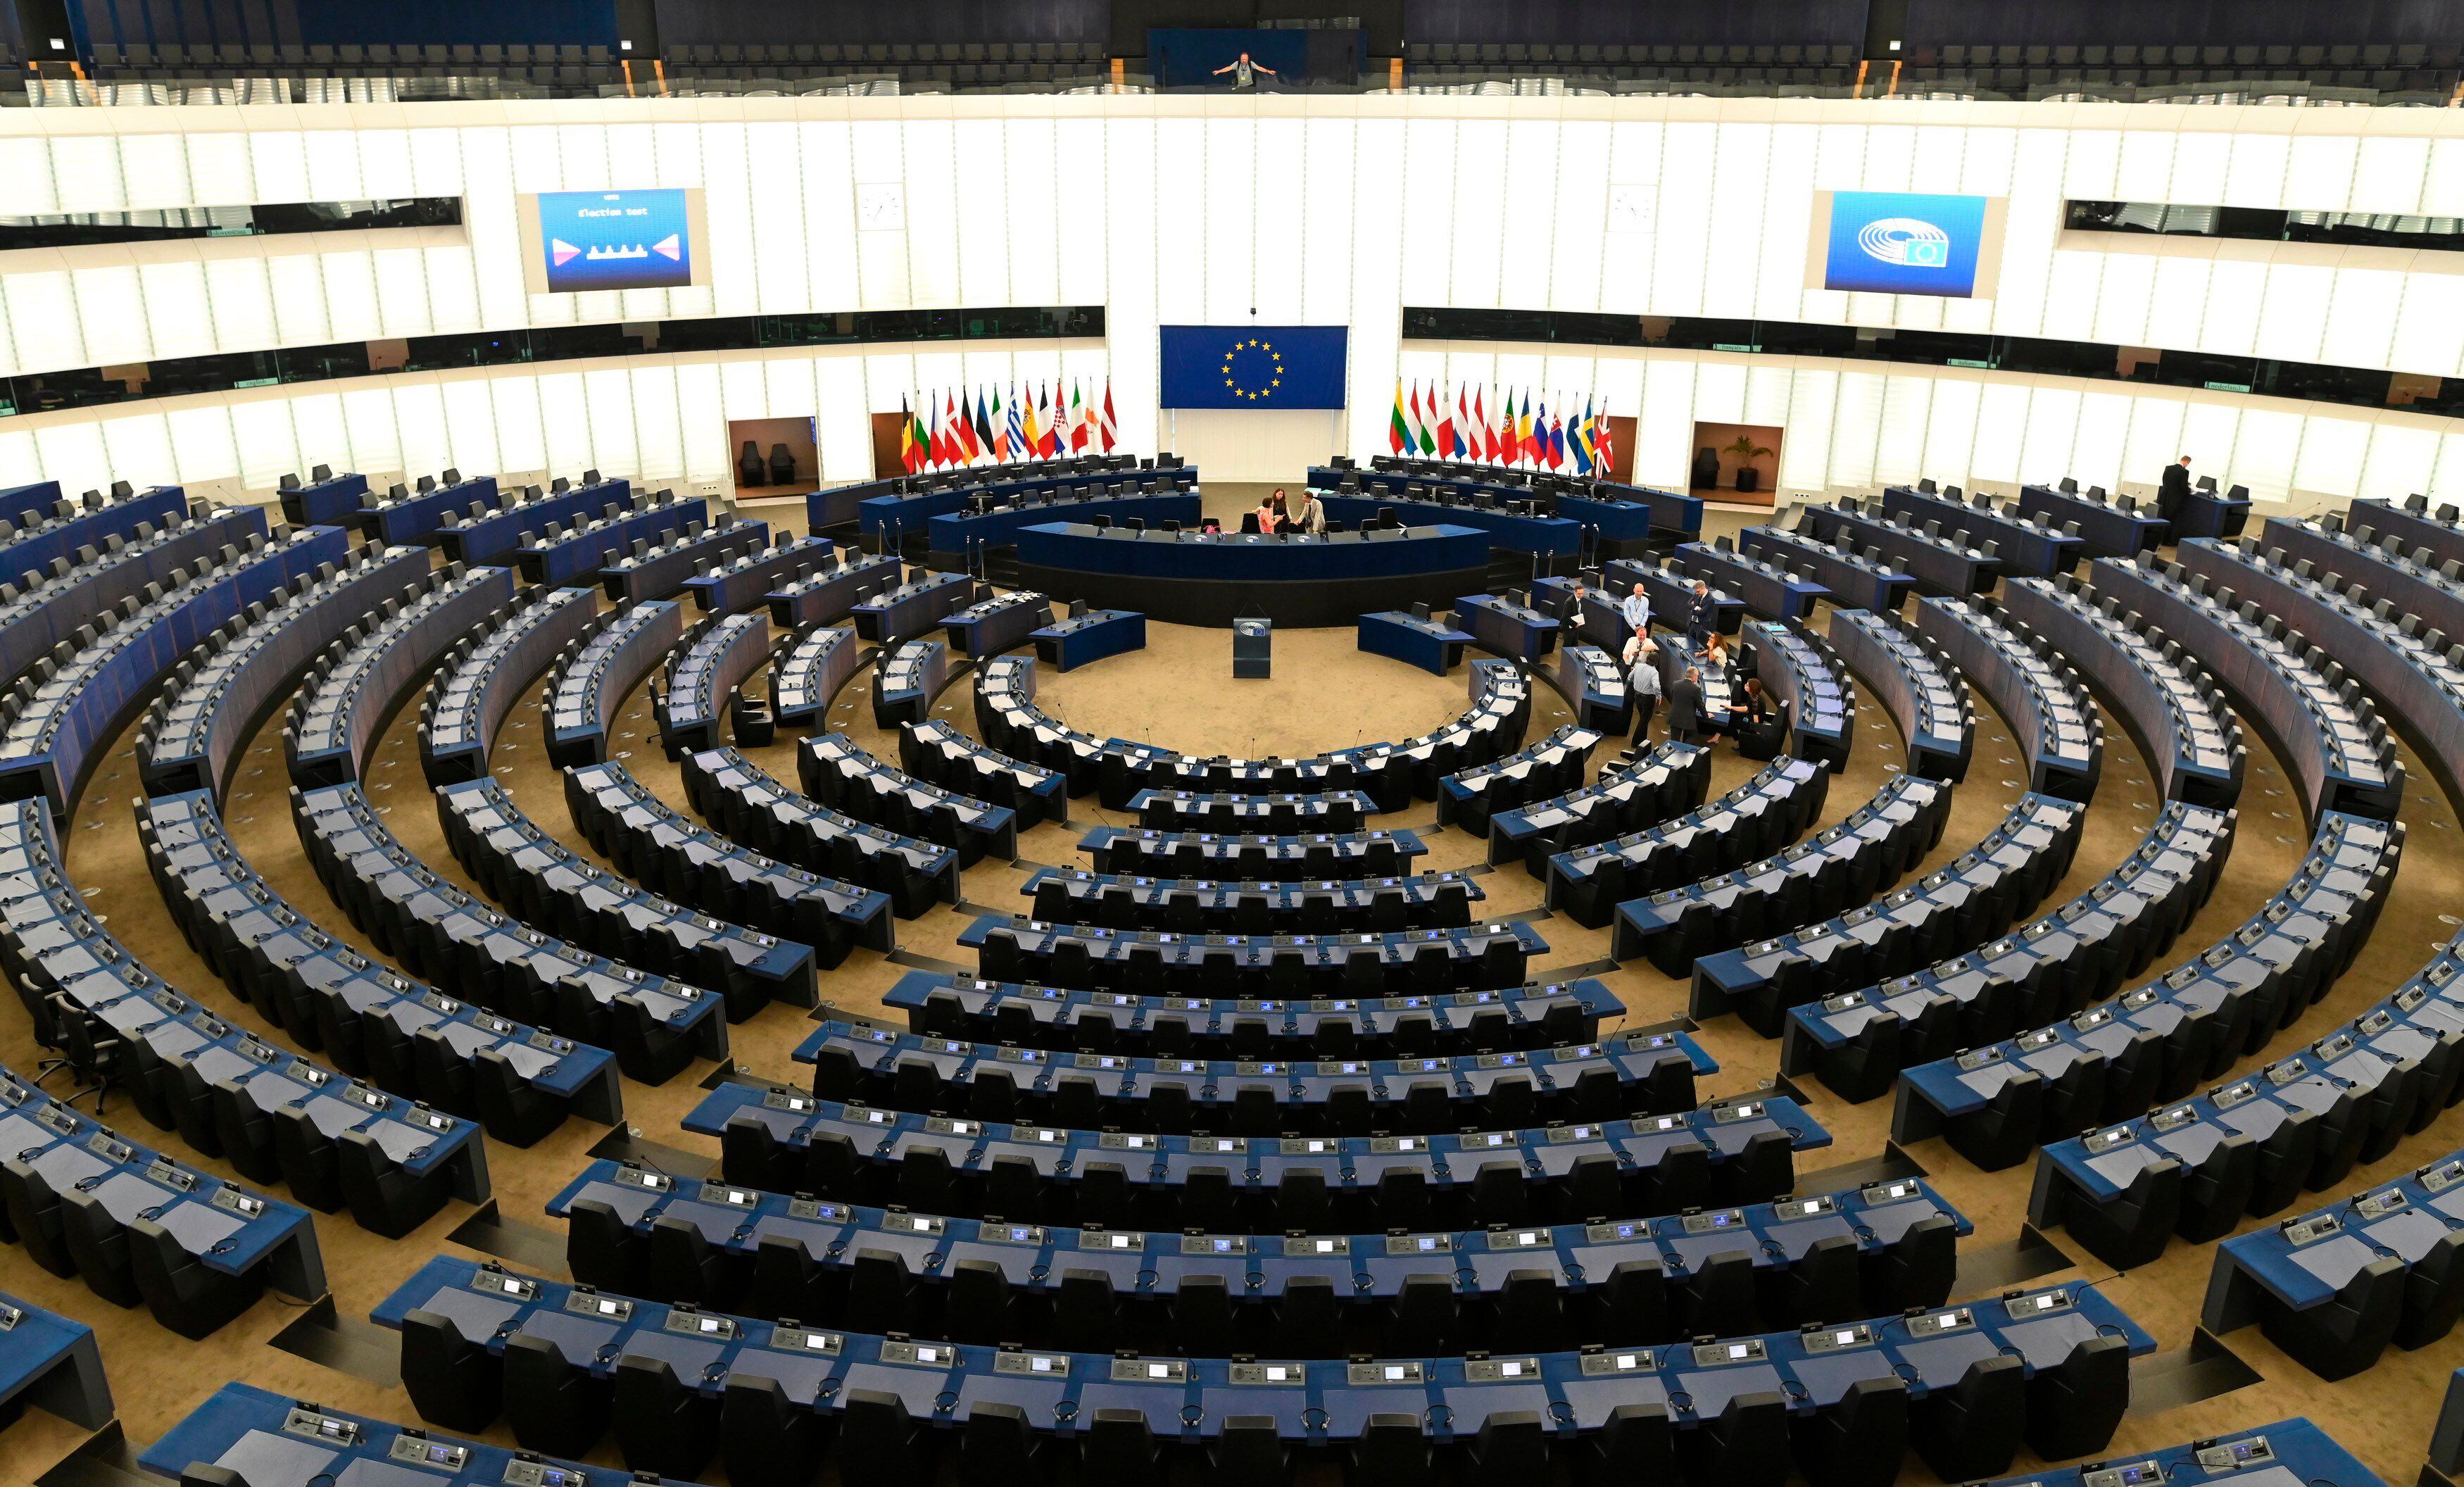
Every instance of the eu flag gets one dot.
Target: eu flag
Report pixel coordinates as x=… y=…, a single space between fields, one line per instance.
x=1253 y=366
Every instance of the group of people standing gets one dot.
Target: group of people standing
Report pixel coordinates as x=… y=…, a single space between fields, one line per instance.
x=1749 y=718
x=1278 y=514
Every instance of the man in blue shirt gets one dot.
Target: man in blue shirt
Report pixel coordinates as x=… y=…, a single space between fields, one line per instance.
x=1635 y=608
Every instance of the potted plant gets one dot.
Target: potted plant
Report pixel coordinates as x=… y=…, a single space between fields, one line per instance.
x=1747 y=451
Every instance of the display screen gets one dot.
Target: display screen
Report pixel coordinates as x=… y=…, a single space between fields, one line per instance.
x=580 y=241
x=1908 y=243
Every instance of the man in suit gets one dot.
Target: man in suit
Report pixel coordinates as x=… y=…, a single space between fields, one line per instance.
x=1685 y=707
x=2174 y=489
x=1698 y=624
x=1569 y=606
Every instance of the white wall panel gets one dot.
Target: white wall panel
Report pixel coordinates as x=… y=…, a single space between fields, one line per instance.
x=1477 y=222
x=471 y=428
x=2329 y=461
x=521 y=435
x=1581 y=217
x=264 y=440
x=2399 y=462
x=1951 y=429
x=1531 y=151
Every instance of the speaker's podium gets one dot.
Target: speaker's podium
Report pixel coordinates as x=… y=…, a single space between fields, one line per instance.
x=1253 y=649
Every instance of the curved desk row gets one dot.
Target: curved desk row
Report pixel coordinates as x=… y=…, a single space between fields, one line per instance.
x=356 y=686
x=1917 y=684
x=1554 y=765
x=938 y=753
x=829 y=589
x=575 y=553
x=1840 y=866
x=1765 y=588
x=499 y=642
x=2188 y=730
x=1430 y=962
x=1741 y=1151
x=43 y=541
x=1198 y=906
x=906 y=681
x=749 y=807
x=334 y=1141
x=649 y=839
x=406 y=516
x=951 y=536
x=62 y=714
x=550 y=884
x=1636 y=791
x=1962 y=1386
x=493 y=535
x=1857 y=1042
x=1507 y=529
x=607 y=653
x=1997 y=1102
x=1804 y=675
x=1855 y=579
x=37 y=617
x=1144 y=852
x=1310 y=1293
x=517 y=1081
x=808 y=672
x=194 y=732
x=648 y=569
x=1972 y=900
x=1632 y=1074
x=904 y=504
x=749 y=578
x=702 y=678
x=1941 y=565
x=654 y=1026
x=1200 y=579
x=2026 y=547
x=2051 y=716
x=1532 y=1015
x=838 y=774
x=1759 y=817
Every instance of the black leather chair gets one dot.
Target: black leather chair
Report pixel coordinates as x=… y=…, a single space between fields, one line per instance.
x=749 y=468
x=783 y=465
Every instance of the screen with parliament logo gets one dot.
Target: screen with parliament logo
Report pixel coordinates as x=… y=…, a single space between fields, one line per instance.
x=1906 y=243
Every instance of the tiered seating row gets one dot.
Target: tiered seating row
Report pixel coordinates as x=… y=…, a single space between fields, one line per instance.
x=2026 y=547
x=655 y=1027
x=1638 y=791
x=1552 y=767
x=749 y=805
x=1975 y=897
x=1754 y=819
x=1917 y=684
x=500 y=640
x=1805 y=677
x=197 y=729
x=597 y=669
x=496 y=534
x=1808 y=880
x=548 y=883
x=906 y=681
x=2192 y=738
x=64 y=710
x=703 y=677
x=1530 y=1015
x=1885 y=1247
x=1426 y=960
x=1854 y=580
x=840 y=775
x=749 y=578
x=777 y=1138
x=2040 y=697
x=353 y=688
x=831 y=589
x=649 y=839
x=143 y=1227
x=1074 y=896
x=653 y=570
x=1997 y=1102
x=517 y=1081
x=1142 y=852
x=808 y=672
x=938 y=753
x=1389 y=774
x=1857 y=1042
x=36 y=616
x=575 y=553
x=1630 y=1073
x=1941 y=565
x=402 y=516
x=336 y=1142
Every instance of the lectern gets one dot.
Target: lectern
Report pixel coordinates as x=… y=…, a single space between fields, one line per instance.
x=1253 y=649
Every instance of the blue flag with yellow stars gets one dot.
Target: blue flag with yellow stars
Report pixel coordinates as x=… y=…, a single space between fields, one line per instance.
x=1255 y=367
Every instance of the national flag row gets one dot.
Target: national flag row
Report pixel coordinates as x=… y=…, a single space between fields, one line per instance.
x=1484 y=425
x=942 y=429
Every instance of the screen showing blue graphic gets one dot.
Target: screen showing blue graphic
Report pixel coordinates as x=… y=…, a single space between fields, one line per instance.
x=615 y=240
x=1901 y=243
x=1257 y=367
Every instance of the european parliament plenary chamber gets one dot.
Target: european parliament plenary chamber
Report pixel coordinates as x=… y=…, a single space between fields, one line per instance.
x=1169 y=745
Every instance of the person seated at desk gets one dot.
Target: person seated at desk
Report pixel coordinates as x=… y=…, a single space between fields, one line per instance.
x=1313 y=513
x=1700 y=624
x=1754 y=723
x=1717 y=657
x=1686 y=723
x=1212 y=526
x=1643 y=683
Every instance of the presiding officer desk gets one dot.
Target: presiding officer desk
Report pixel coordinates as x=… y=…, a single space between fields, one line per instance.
x=1961 y=1385
x=1197 y=578
x=1856 y=1252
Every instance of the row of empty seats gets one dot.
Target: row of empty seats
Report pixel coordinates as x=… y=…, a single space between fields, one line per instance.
x=1917 y=686
x=1532 y=1015
x=1587 y=883
x=1883 y=1247
x=503 y=640
x=841 y=775
x=1962 y=1386
x=47 y=606
x=2043 y=699
x=808 y=672
x=1425 y=961
x=650 y=569
x=938 y=753
x=740 y=799
x=1627 y=1073
x=599 y=656
x=1074 y=896
x=1964 y=902
x=701 y=678
x=654 y=1026
x=778 y=1138
x=1946 y=566
x=336 y=1142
